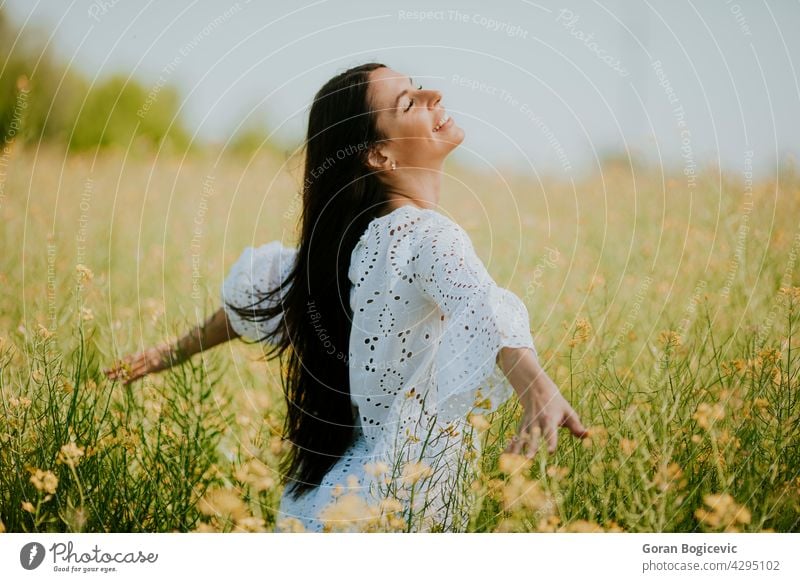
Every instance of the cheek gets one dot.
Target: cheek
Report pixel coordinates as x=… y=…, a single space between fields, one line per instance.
x=406 y=126
x=423 y=126
x=411 y=126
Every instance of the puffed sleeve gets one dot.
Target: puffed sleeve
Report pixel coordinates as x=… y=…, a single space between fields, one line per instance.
x=478 y=319
x=256 y=271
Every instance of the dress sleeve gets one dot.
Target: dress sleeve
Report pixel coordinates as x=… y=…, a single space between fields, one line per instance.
x=256 y=271
x=478 y=316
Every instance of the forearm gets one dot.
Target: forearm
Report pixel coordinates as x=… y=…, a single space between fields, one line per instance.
x=521 y=367
x=545 y=408
x=214 y=331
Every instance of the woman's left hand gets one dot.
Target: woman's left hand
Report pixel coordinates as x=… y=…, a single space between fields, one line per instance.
x=149 y=361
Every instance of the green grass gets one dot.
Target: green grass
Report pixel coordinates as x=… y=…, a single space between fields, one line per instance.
x=667 y=315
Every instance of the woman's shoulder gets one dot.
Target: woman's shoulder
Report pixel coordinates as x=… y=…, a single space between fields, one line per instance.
x=415 y=222
x=270 y=252
x=261 y=265
x=406 y=232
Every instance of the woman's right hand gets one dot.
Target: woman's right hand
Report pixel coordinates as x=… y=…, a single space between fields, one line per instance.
x=545 y=411
x=135 y=366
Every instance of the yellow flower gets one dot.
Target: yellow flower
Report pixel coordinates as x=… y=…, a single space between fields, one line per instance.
x=414 y=471
x=290 y=525
x=508 y=525
x=557 y=473
x=411 y=437
x=222 y=502
x=23 y=402
x=582 y=526
x=481 y=401
x=256 y=474
x=376 y=469
x=86 y=314
x=598 y=436
x=722 y=512
x=249 y=524
x=70 y=454
x=494 y=488
x=670 y=476
x=670 y=339
x=83 y=273
x=583 y=330
x=770 y=355
x=43 y=331
x=548 y=524
x=726 y=438
x=479 y=422
x=512 y=463
x=28 y=506
x=277 y=445
x=348 y=511
x=790 y=294
x=708 y=414
x=523 y=493
x=449 y=430
x=44 y=481
x=391 y=505
x=628 y=446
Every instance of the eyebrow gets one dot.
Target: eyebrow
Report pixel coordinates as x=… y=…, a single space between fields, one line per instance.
x=403 y=92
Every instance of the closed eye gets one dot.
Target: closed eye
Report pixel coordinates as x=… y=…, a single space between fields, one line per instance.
x=411 y=102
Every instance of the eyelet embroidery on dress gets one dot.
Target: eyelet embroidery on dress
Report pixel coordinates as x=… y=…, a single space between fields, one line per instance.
x=428 y=321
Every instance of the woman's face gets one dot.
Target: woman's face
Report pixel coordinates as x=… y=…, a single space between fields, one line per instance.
x=409 y=117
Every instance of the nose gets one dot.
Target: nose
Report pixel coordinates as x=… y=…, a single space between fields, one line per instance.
x=435 y=97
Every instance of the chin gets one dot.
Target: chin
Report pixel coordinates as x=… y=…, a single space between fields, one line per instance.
x=454 y=139
x=459 y=137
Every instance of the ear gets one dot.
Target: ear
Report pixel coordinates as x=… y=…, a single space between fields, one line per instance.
x=377 y=160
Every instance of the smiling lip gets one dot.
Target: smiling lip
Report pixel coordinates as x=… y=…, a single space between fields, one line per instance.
x=447 y=123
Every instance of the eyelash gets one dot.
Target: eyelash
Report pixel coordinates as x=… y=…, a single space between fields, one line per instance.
x=411 y=103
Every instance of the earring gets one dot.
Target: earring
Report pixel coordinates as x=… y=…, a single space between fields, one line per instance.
x=394 y=166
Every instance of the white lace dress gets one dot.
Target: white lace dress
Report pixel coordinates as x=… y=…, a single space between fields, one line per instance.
x=428 y=322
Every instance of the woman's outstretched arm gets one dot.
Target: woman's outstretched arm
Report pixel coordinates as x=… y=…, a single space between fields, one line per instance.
x=216 y=330
x=545 y=409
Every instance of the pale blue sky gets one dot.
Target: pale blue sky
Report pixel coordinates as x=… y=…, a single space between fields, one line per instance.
x=561 y=82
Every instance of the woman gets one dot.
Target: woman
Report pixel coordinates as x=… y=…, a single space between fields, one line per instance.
x=395 y=327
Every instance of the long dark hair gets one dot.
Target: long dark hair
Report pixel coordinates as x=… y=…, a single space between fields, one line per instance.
x=341 y=195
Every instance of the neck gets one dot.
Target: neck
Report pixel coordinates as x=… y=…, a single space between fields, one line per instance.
x=418 y=186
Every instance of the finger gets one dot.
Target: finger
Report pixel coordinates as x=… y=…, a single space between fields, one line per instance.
x=138 y=367
x=551 y=435
x=573 y=423
x=129 y=359
x=516 y=445
x=533 y=442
